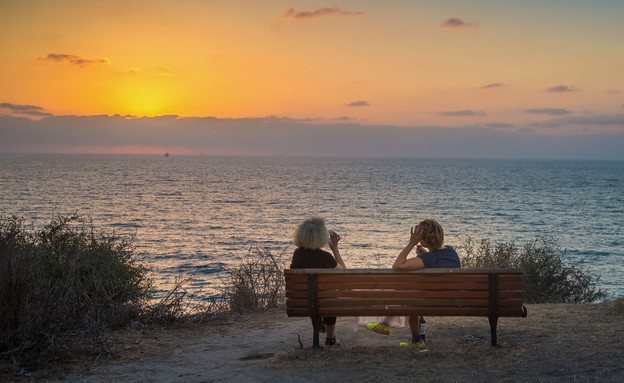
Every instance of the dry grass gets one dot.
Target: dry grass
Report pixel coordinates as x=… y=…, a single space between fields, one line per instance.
x=556 y=342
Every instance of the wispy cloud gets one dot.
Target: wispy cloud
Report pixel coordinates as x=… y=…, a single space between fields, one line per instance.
x=292 y=13
x=614 y=91
x=549 y=111
x=358 y=103
x=500 y=125
x=455 y=22
x=286 y=136
x=163 y=71
x=28 y=110
x=129 y=71
x=607 y=120
x=462 y=113
x=561 y=89
x=74 y=60
x=493 y=85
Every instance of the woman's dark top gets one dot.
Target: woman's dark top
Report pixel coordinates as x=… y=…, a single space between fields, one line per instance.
x=312 y=259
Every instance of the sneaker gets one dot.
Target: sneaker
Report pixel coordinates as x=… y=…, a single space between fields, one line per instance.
x=379 y=328
x=331 y=342
x=420 y=344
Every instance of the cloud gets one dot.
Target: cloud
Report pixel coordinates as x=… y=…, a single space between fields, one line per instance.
x=130 y=71
x=604 y=120
x=614 y=91
x=561 y=89
x=462 y=113
x=321 y=12
x=163 y=71
x=74 y=60
x=614 y=122
x=27 y=110
x=454 y=22
x=493 y=85
x=358 y=103
x=500 y=125
x=294 y=137
x=549 y=111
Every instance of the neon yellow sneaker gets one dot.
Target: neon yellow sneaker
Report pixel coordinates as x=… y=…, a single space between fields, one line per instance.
x=379 y=328
x=420 y=344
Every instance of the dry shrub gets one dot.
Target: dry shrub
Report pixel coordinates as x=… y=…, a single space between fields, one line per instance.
x=255 y=282
x=179 y=305
x=548 y=277
x=61 y=281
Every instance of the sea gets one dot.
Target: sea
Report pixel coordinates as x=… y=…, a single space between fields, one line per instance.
x=195 y=216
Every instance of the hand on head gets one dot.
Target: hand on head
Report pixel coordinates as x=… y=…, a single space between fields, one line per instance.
x=415 y=234
x=333 y=238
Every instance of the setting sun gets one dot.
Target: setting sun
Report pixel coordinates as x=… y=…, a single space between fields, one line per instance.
x=143 y=100
x=512 y=72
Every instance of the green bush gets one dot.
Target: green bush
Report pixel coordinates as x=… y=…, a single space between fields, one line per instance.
x=548 y=278
x=62 y=280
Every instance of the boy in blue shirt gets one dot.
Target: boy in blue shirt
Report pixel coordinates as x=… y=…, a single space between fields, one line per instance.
x=427 y=234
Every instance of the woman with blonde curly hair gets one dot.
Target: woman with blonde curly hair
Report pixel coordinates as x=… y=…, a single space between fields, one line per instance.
x=309 y=238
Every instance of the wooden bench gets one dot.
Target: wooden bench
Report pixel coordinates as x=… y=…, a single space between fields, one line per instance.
x=491 y=293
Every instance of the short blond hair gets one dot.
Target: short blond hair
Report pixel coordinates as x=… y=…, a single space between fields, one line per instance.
x=311 y=234
x=432 y=233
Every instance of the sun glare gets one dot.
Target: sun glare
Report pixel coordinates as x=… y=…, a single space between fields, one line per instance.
x=143 y=103
x=139 y=98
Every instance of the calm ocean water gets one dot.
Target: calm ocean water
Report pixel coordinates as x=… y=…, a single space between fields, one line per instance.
x=195 y=214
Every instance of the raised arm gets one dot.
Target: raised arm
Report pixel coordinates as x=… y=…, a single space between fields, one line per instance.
x=333 y=245
x=402 y=263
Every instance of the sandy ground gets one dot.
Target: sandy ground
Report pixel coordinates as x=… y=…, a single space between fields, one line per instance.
x=555 y=343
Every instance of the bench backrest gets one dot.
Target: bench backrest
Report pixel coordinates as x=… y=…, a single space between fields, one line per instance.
x=432 y=292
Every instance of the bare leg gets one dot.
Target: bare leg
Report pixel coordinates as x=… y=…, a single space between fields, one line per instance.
x=414 y=324
x=329 y=330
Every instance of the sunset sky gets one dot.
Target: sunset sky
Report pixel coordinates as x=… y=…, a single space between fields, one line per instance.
x=233 y=76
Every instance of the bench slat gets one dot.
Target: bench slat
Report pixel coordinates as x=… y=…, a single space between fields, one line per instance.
x=303 y=293
x=438 y=311
x=382 y=302
x=391 y=285
x=405 y=302
x=455 y=271
x=405 y=311
x=402 y=294
x=401 y=277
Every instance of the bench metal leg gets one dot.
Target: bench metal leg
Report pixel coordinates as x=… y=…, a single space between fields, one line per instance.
x=316 y=328
x=493 y=324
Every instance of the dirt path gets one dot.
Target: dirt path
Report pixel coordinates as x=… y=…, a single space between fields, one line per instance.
x=555 y=343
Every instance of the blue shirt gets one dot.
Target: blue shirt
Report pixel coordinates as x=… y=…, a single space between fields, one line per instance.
x=445 y=257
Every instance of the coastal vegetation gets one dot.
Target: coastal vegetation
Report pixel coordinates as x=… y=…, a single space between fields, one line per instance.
x=66 y=281
x=62 y=281
x=256 y=282
x=549 y=276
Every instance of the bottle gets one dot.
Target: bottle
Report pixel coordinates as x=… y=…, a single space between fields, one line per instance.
x=423 y=327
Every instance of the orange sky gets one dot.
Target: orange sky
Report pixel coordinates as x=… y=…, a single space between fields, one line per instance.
x=503 y=64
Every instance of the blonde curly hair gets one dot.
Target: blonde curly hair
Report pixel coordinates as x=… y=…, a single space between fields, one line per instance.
x=311 y=234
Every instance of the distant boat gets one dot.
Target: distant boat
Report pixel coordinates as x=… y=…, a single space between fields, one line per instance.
x=166 y=154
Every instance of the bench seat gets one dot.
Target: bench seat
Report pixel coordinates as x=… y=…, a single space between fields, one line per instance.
x=491 y=293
